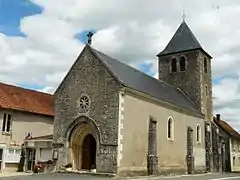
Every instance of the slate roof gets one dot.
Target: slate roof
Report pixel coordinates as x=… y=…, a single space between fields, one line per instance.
x=182 y=40
x=135 y=79
x=17 y=98
x=227 y=128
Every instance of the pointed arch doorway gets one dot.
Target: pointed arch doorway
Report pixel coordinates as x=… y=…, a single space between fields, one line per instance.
x=83 y=147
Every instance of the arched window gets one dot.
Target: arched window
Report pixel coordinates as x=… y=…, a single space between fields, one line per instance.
x=205 y=65
x=182 y=63
x=170 y=129
x=174 y=65
x=198 y=133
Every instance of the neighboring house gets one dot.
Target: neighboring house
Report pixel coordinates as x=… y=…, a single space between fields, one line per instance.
x=22 y=112
x=114 y=118
x=232 y=145
x=37 y=149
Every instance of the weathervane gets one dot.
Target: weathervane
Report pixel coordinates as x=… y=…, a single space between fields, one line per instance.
x=183 y=15
x=90 y=35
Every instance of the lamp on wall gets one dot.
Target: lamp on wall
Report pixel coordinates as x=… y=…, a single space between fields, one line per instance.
x=55 y=154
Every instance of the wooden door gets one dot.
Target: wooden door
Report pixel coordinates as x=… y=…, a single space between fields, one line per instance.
x=88 y=152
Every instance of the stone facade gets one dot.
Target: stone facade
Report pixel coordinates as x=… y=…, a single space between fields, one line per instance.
x=208 y=146
x=152 y=148
x=215 y=148
x=194 y=82
x=189 y=81
x=206 y=85
x=90 y=100
x=88 y=77
x=190 y=156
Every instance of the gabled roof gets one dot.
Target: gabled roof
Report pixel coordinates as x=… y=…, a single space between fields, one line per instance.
x=17 y=98
x=137 y=80
x=182 y=40
x=227 y=128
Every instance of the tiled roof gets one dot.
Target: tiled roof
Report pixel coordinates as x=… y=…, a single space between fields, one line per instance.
x=17 y=98
x=227 y=128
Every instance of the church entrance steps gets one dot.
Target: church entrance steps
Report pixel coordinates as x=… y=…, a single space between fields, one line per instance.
x=165 y=176
x=89 y=173
x=111 y=175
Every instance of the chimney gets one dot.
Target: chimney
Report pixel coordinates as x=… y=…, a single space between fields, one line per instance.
x=218 y=117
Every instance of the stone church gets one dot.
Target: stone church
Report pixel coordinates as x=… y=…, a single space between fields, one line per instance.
x=116 y=119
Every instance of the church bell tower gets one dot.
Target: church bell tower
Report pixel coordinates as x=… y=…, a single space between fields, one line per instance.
x=184 y=64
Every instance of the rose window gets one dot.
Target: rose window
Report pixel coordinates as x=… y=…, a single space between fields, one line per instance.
x=84 y=102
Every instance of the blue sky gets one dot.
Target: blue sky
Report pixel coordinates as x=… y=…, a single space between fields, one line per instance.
x=11 y=13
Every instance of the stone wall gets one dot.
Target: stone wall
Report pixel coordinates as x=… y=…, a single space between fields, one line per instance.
x=215 y=147
x=89 y=77
x=193 y=81
x=206 y=86
x=189 y=81
x=152 y=158
x=208 y=146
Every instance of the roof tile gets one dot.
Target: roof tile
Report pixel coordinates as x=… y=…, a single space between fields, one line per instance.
x=17 y=98
x=227 y=128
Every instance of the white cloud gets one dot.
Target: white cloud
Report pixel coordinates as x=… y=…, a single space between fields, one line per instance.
x=227 y=100
x=132 y=31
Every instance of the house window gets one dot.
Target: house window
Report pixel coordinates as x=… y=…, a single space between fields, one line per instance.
x=198 y=133
x=182 y=63
x=205 y=65
x=170 y=129
x=13 y=155
x=174 y=65
x=7 y=122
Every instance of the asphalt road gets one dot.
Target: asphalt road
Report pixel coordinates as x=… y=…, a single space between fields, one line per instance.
x=61 y=176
